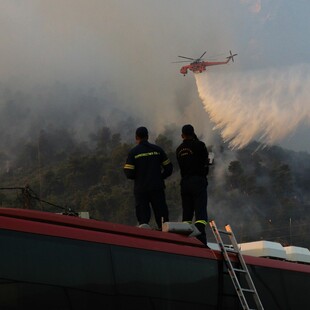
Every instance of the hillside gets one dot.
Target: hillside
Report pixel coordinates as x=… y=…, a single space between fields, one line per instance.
x=263 y=193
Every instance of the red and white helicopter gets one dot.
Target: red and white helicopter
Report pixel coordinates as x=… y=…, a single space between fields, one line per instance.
x=198 y=65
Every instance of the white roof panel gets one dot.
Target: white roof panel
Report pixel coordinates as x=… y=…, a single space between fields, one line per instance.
x=263 y=249
x=297 y=254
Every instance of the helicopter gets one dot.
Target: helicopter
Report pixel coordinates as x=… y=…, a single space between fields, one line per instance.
x=198 y=65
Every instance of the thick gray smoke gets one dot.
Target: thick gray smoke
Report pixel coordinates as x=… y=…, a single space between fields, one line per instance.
x=116 y=53
x=121 y=53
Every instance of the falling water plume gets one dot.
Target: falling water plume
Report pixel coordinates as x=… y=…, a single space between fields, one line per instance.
x=267 y=106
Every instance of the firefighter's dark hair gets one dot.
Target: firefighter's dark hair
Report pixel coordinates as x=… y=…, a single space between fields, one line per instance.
x=142 y=133
x=188 y=130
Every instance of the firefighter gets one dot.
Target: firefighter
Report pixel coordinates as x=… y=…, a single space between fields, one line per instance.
x=148 y=165
x=192 y=156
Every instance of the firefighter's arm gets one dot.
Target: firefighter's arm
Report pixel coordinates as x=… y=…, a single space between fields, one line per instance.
x=206 y=156
x=129 y=168
x=167 y=168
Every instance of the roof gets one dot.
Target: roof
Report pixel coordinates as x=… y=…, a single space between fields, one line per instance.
x=40 y=222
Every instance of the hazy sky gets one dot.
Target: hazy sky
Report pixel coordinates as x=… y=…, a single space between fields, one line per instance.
x=129 y=46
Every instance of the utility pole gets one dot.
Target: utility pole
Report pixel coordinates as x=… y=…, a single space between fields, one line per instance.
x=39 y=168
x=290 y=231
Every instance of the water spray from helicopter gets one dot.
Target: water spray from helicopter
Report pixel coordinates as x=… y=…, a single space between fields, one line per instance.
x=266 y=105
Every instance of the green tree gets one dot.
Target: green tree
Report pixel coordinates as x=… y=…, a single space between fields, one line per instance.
x=281 y=180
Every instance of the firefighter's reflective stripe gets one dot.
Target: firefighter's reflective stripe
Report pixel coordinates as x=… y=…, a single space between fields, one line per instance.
x=128 y=166
x=144 y=164
x=202 y=222
x=146 y=154
x=166 y=162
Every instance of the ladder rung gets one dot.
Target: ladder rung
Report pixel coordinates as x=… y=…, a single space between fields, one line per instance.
x=248 y=290
x=231 y=250
x=239 y=270
x=224 y=232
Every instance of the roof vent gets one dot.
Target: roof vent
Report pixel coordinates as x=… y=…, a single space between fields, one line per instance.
x=263 y=249
x=297 y=254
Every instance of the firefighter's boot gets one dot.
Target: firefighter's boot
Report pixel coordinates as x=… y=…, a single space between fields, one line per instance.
x=202 y=237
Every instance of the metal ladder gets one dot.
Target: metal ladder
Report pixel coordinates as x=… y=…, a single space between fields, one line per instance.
x=233 y=248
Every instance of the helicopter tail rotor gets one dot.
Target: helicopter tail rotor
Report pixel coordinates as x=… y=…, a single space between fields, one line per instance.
x=231 y=56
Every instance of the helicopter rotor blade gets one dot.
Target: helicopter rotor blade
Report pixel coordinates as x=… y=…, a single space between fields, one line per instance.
x=201 y=55
x=186 y=57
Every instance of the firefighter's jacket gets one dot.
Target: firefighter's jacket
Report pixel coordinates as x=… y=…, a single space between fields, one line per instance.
x=148 y=165
x=192 y=156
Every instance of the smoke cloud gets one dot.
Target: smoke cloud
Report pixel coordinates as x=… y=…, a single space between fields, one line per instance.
x=118 y=56
x=265 y=105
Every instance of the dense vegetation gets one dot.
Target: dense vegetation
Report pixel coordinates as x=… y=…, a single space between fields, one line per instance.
x=263 y=193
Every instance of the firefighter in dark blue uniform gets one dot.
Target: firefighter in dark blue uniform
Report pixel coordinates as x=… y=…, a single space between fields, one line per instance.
x=148 y=165
x=192 y=156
